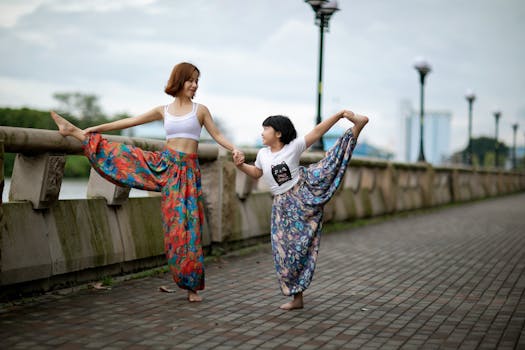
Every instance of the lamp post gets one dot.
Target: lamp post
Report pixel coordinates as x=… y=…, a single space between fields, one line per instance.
x=470 y=96
x=323 y=11
x=497 y=115
x=423 y=67
x=515 y=129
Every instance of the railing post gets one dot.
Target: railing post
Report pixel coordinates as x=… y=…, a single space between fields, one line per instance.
x=37 y=179
x=427 y=184
x=219 y=178
x=1 y=175
x=100 y=187
x=389 y=188
x=2 y=217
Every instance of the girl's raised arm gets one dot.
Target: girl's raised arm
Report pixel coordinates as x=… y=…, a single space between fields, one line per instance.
x=320 y=129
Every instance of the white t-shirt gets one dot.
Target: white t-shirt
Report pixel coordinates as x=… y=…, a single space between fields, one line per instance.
x=281 y=169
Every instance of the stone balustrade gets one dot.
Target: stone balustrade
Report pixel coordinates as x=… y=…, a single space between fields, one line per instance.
x=46 y=242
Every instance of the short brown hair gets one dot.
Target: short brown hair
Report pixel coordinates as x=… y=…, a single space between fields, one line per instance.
x=180 y=74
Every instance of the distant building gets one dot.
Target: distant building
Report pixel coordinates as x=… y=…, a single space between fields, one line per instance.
x=520 y=152
x=436 y=140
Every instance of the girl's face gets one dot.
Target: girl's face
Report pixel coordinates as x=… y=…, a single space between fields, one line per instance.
x=270 y=136
x=191 y=85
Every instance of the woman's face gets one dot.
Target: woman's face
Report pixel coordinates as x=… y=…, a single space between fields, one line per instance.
x=191 y=85
x=270 y=136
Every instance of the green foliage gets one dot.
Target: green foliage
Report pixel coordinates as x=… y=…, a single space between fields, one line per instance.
x=85 y=106
x=26 y=118
x=483 y=151
x=489 y=159
x=9 y=162
x=76 y=166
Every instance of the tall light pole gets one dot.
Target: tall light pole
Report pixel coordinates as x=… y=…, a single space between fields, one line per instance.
x=323 y=11
x=497 y=115
x=423 y=67
x=470 y=96
x=515 y=129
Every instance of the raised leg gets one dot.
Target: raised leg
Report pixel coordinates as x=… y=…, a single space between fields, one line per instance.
x=65 y=128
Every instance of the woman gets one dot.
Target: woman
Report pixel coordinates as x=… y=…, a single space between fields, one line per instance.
x=299 y=194
x=174 y=171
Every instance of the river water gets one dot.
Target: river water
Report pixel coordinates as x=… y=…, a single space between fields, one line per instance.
x=72 y=189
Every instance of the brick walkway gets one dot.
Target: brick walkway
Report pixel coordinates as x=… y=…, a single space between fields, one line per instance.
x=452 y=278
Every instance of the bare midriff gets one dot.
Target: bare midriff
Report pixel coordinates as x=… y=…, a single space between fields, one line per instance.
x=183 y=145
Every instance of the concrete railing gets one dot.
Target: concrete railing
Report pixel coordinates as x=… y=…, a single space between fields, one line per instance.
x=46 y=241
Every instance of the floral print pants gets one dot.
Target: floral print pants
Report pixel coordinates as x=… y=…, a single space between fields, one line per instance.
x=298 y=213
x=177 y=176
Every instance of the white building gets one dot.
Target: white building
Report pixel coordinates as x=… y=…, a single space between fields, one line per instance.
x=436 y=138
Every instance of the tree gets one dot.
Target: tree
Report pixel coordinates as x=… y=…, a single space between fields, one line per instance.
x=483 y=151
x=26 y=118
x=84 y=106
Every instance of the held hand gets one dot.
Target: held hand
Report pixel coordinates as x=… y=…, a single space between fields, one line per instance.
x=238 y=157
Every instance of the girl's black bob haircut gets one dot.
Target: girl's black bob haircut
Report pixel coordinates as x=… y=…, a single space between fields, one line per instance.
x=283 y=125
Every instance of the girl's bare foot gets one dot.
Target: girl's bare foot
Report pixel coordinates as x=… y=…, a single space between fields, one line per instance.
x=296 y=303
x=65 y=128
x=193 y=297
x=359 y=121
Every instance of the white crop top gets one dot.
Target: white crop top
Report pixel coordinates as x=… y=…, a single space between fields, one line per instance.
x=185 y=126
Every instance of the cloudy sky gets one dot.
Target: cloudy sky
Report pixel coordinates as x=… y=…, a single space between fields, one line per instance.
x=260 y=57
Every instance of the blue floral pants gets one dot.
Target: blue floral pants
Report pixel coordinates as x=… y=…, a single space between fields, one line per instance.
x=298 y=213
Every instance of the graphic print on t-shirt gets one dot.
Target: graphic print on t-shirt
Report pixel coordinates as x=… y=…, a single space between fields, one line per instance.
x=281 y=173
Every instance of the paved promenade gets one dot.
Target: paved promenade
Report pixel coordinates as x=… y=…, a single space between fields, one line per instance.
x=452 y=278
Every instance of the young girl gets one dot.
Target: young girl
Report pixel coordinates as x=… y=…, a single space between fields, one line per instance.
x=299 y=194
x=173 y=171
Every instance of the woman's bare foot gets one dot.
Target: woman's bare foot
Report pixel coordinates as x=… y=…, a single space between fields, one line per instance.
x=193 y=297
x=65 y=128
x=359 y=121
x=296 y=303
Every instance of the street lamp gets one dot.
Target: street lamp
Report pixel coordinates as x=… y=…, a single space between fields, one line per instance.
x=323 y=11
x=423 y=67
x=497 y=115
x=470 y=96
x=514 y=128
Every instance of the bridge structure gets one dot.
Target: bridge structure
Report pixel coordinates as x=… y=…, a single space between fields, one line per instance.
x=47 y=243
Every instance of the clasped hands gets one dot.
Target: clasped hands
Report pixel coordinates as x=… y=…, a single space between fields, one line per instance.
x=238 y=157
